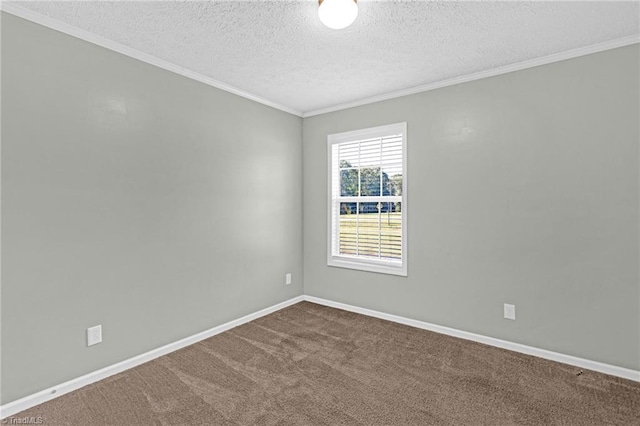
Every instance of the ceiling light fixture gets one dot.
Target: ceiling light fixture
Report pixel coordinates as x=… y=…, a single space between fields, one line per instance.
x=338 y=14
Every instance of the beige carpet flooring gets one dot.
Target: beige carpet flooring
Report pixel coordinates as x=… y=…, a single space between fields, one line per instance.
x=313 y=365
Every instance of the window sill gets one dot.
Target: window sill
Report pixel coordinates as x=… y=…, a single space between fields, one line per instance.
x=390 y=268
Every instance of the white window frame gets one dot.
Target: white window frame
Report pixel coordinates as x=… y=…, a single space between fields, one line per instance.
x=353 y=262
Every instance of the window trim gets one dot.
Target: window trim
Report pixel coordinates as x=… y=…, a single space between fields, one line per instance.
x=362 y=264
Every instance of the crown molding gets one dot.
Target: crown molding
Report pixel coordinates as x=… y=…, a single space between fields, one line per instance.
x=62 y=27
x=556 y=57
x=54 y=24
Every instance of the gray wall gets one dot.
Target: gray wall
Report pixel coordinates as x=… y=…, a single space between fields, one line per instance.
x=522 y=188
x=133 y=198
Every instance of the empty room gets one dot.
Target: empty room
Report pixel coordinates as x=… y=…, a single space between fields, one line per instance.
x=334 y=212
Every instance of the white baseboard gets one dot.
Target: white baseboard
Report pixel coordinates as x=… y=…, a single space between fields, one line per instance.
x=516 y=347
x=29 y=401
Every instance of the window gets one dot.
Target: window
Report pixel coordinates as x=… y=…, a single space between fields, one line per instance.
x=367 y=199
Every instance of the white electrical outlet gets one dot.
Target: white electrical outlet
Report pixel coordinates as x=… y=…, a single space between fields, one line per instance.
x=509 y=311
x=94 y=335
x=287 y=279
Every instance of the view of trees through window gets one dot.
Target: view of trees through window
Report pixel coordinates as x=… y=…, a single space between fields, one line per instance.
x=368 y=182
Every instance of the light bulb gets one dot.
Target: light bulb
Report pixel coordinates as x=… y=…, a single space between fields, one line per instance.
x=337 y=14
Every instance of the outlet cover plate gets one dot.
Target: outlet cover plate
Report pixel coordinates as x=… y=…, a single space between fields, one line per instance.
x=94 y=335
x=287 y=280
x=509 y=311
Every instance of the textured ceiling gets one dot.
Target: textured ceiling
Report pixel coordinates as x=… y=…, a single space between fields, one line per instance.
x=279 y=50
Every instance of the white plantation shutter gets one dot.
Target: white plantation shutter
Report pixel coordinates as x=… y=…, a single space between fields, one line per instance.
x=367 y=189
